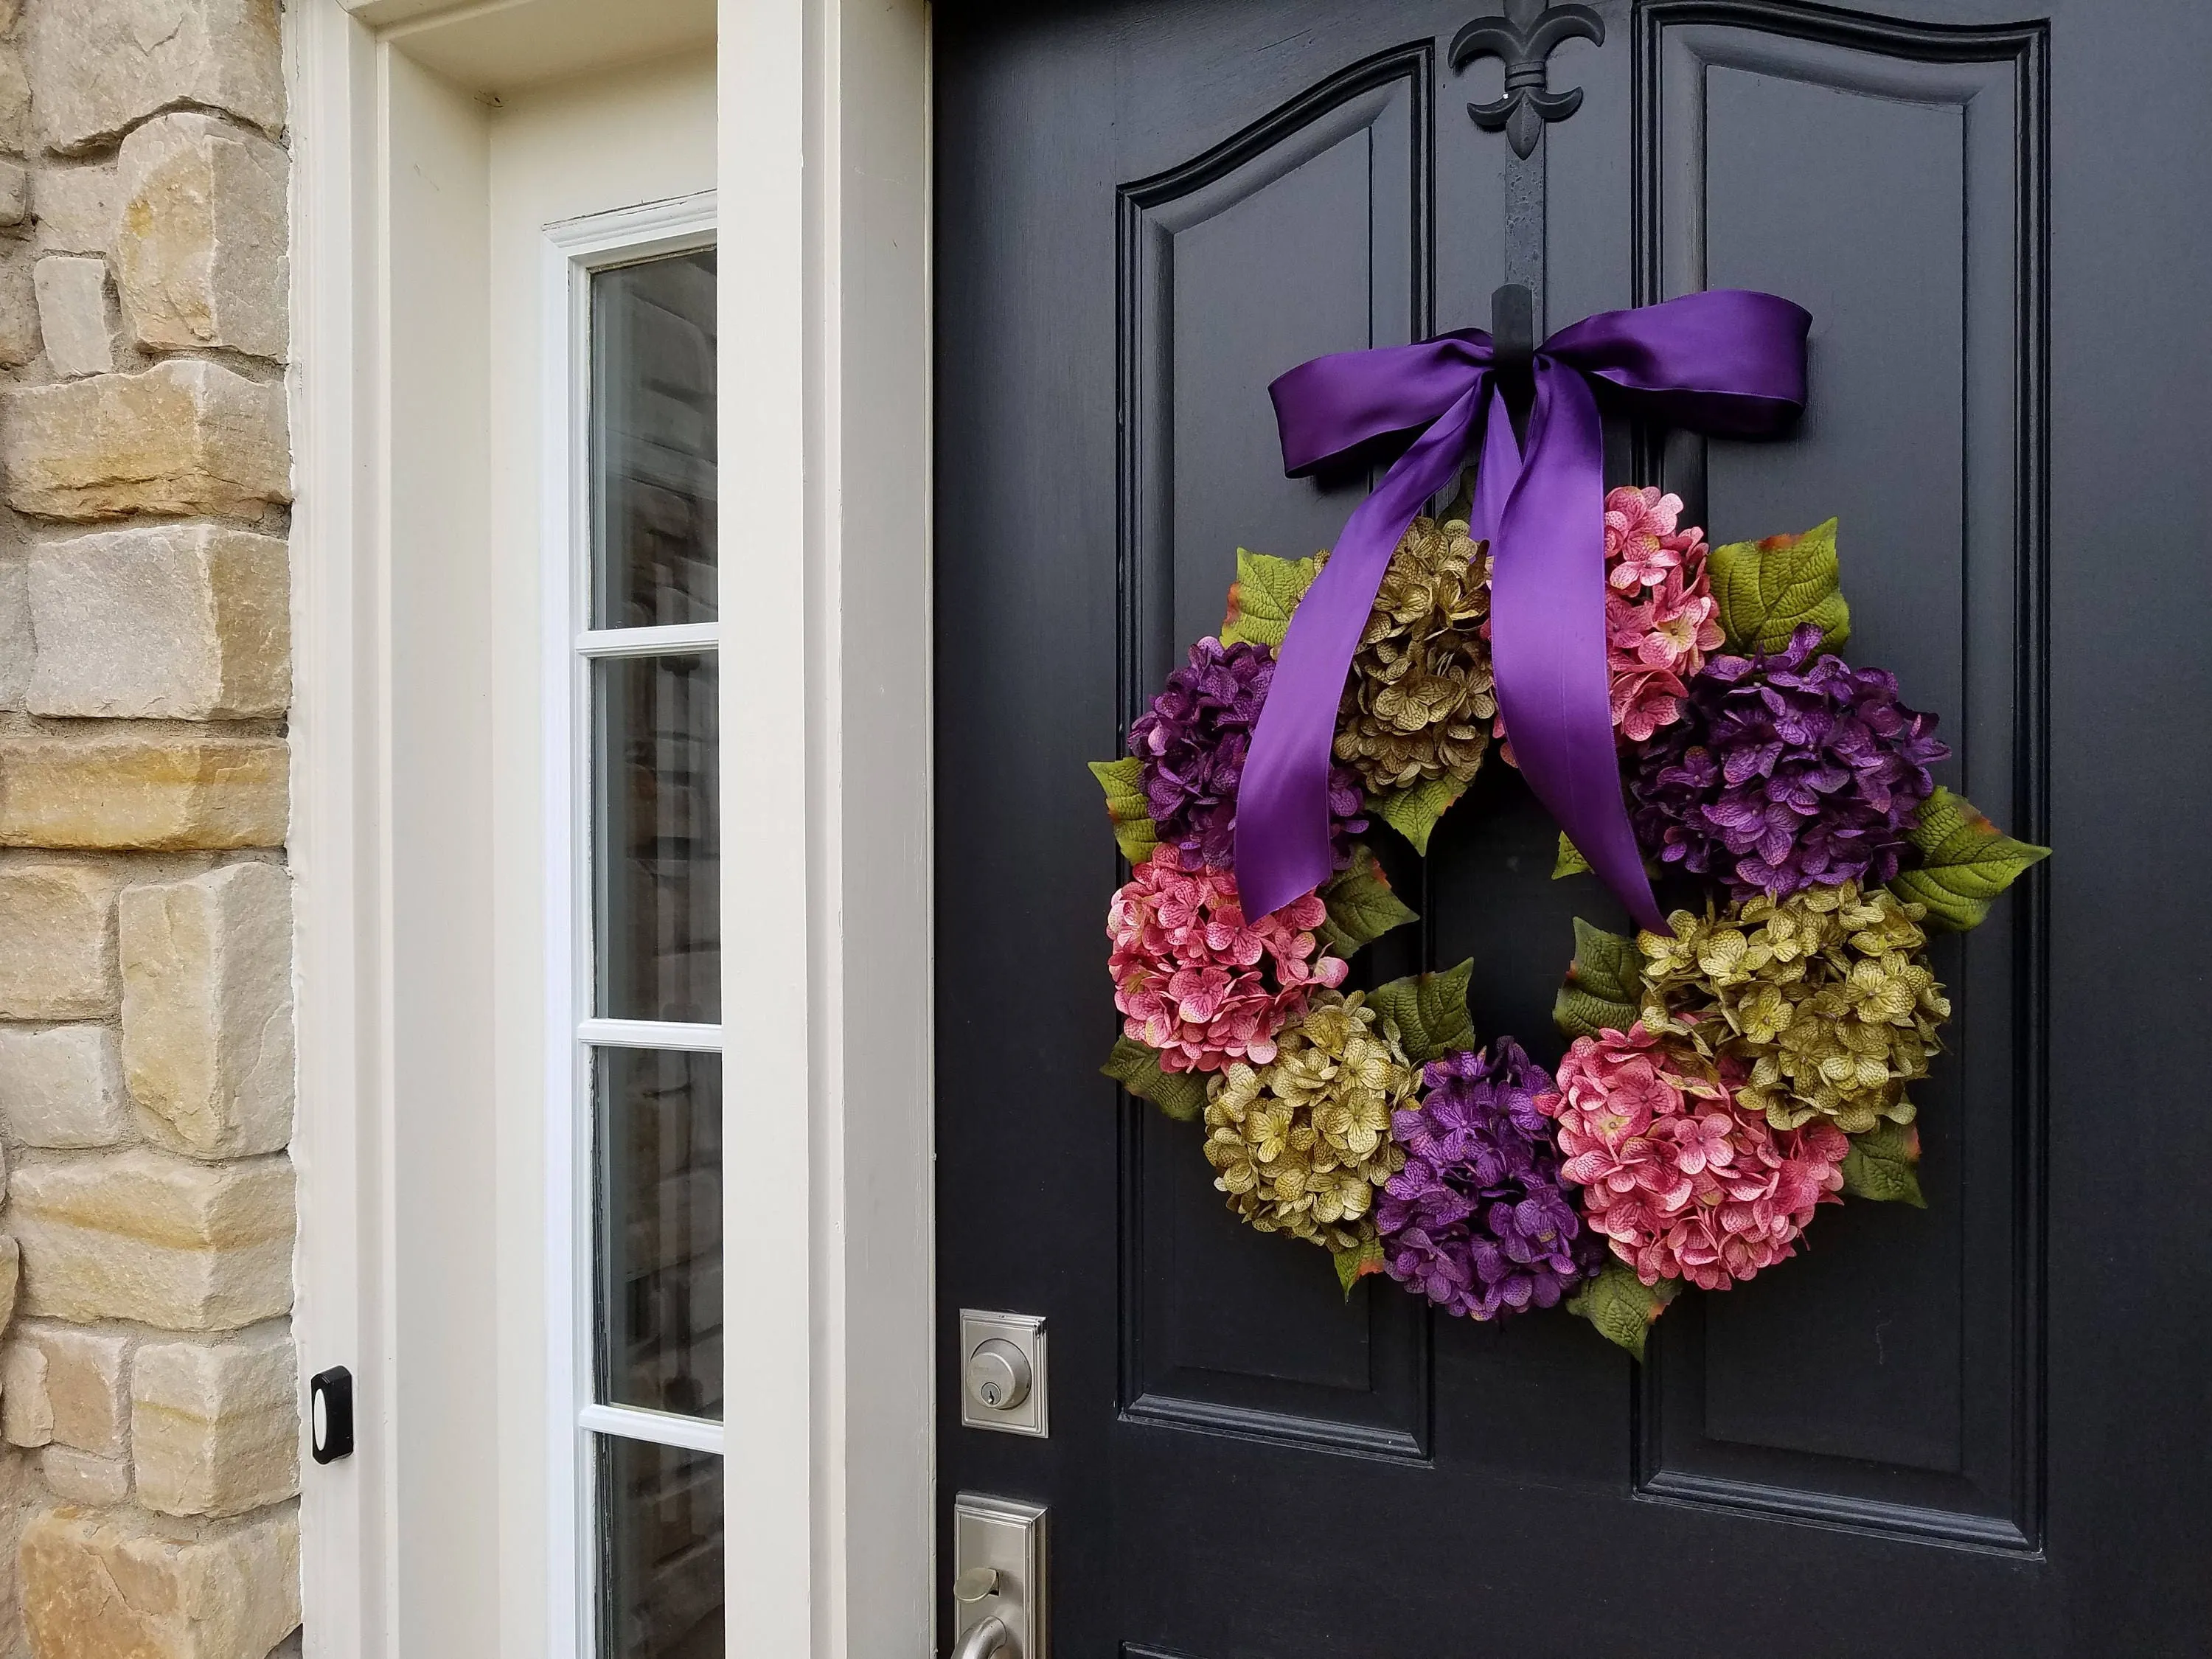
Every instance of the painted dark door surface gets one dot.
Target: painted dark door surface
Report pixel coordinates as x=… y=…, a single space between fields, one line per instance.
x=1974 y=1430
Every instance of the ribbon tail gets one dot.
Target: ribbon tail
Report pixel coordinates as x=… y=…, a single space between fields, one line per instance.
x=1549 y=634
x=1500 y=471
x=1283 y=849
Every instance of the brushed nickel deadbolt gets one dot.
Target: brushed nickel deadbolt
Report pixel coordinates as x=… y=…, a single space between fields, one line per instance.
x=1002 y=1373
x=999 y=1374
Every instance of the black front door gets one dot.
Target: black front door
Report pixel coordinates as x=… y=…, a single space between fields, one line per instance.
x=1972 y=1429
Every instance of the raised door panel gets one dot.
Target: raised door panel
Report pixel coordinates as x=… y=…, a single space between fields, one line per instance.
x=1887 y=176
x=1221 y=1327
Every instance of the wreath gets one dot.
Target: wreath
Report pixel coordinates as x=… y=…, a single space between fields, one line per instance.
x=1728 y=1072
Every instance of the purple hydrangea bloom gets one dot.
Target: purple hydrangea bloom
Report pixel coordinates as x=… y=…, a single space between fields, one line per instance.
x=1478 y=1220
x=1785 y=772
x=1193 y=741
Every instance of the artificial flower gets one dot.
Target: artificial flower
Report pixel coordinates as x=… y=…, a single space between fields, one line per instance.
x=1660 y=618
x=1198 y=982
x=1682 y=1177
x=1420 y=701
x=1787 y=771
x=1193 y=741
x=1825 y=998
x=1477 y=1221
x=1300 y=1141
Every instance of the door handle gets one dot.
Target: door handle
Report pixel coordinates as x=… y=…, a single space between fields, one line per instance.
x=1001 y=1580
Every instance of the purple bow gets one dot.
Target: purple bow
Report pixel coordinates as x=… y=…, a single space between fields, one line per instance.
x=1729 y=362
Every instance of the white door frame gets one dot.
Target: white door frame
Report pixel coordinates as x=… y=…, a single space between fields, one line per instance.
x=824 y=192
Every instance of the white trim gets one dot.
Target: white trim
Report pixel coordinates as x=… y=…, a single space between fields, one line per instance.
x=648 y=641
x=660 y=1428
x=342 y=925
x=824 y=168
x=649 y=1034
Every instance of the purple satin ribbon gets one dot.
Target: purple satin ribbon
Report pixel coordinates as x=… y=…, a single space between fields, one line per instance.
x=1730 y=362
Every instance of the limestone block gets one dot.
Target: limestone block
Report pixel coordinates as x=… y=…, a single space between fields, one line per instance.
x=66 y=1386
x=15 y=102
x=202 y=261
x=72 y=290
x=80 y=1478
x=74 y=210
x=182 y=438
x=19 y=311
x=11 y=1278
x=59 y=921
x=62 y=1086
x=207 y=1009
x=174 y=621
x=26 y=1416
x=14 y=193
x=146 y=1236
x=99 y=65
x=14 y=631
x=215 y=1428
x=130 y=789
x=97 y=1585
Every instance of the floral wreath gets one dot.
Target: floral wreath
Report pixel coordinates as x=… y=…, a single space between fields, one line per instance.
x=1727 y=1076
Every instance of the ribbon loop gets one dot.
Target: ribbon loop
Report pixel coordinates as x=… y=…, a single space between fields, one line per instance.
x=1730 y=362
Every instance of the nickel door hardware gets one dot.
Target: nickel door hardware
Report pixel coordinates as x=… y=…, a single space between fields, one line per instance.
x=1002 y=1373
x=999 y=1588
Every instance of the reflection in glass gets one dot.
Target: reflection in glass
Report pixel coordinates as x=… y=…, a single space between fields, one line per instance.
x=655 y=847
x=653 y=443
x=657 y=1134
x=661 y=1572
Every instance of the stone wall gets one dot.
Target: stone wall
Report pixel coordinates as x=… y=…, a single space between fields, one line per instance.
x=148 y=1383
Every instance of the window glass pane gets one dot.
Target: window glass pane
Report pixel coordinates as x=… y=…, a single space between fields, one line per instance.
x=659 y=1183
x=653 y=443
x=660 y=1574
x=655 y=844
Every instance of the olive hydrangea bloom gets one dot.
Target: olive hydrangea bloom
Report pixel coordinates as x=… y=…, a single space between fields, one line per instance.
x=1420 y=700
x=1826 y=997
x=1301 y=1143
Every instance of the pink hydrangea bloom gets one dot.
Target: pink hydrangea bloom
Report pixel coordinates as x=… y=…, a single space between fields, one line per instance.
x=1684 y=1182
x=1660 y=617
x=1198 y=982
x=1641 y=544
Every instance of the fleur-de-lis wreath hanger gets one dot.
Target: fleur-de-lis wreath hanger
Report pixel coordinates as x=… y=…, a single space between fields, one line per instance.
x=1524 y=39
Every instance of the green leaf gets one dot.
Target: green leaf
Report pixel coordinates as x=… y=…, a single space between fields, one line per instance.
x=1352 y=1265
x=1181 y=1094
x=1124 y=783
x=1430 y=1011
x=1966 y=861
x=1266 y=592
x=1361 y=906
x=1884 y=1163
x=1413 y=812
x=1767 y=590
x=1622 y=1306
x=1570 y=862
x=1604 y=987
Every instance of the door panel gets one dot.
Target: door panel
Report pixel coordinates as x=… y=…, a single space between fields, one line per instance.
x=1215 y=1333
x=1941 y=1433
x=1890 y=177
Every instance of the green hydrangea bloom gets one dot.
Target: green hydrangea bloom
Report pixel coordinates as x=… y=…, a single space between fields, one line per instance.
x=1301 y=1143
x=1825 y=996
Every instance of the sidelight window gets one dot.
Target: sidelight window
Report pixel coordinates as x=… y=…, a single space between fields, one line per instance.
x=640 y=1091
